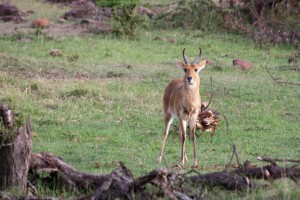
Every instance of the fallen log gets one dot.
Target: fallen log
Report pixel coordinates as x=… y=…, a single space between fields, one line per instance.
x=120 y=183
x=269 y=172
x=66 y=175
x=228 y=181
x=125 y=187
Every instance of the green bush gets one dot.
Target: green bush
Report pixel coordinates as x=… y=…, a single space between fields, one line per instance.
x=116 y=3
x=191 y=14
x=126 y=21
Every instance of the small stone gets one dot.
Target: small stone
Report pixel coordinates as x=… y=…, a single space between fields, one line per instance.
x=242 y=64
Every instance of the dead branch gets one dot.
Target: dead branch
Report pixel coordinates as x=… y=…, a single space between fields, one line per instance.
x=287 y=83
x=223 y=180
x=66 y=174
x=276 y=80
x=274 y=160
x=270 y=172
x=120 y=183
x=211 y=96
x=234 y=154
x=225 y=118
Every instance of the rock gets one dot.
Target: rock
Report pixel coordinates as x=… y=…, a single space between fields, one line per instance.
x=293 y=58
x=141 y=10
x=40 y=23
x=106 y=11
x=10 y=12
x=56 y=52
x=61 y=21
x=7 y=10
x=242 y=64
x=29 y=12
x=165 y=39
x=82 y=9
x=209 y=62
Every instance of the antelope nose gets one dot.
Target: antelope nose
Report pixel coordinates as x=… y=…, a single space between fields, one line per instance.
x=189 y=78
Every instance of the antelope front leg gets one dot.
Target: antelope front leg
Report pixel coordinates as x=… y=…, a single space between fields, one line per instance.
x=180 y=135
x=183 y=124
x=168 y=122
x=193 y=137
x=195 y=162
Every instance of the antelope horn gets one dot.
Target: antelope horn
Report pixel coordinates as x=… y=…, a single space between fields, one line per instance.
x=186 y=60
x=196 y=61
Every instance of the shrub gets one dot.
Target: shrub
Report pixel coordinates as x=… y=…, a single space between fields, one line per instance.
x=126 y=21
x=267 y=22
x=191 y=14
x=116 y=3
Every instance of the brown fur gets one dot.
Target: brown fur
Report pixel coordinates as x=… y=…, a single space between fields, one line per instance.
x=182 y=100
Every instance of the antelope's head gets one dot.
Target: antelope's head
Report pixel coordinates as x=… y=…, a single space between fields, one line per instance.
x=191 y=70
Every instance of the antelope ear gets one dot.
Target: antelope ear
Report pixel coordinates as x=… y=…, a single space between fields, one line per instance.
x=201 y=65
x=180 y=64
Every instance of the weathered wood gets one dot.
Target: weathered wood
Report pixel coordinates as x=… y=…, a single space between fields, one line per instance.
x=15 y=152
x=269 y=172
x=223 y=180
x=6 y=115
x=65 y=174
x=120 y=184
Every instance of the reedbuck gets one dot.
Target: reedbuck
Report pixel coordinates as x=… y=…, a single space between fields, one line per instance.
x=182 y=100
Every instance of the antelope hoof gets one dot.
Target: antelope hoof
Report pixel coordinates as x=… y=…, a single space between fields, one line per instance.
x=182 y=163
x=180 y=167
x=195 y=164
x=159 y=158
x=185 y=158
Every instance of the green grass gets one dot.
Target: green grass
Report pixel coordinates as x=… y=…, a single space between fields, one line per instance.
x=114 y=113
x=126 y=110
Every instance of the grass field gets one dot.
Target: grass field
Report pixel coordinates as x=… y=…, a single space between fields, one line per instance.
x=101 y=102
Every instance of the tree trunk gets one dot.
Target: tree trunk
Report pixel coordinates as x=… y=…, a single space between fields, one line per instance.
x=15 y=153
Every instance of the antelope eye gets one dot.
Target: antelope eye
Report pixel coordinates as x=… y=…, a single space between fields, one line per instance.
x=196 y=70
x=185 y=70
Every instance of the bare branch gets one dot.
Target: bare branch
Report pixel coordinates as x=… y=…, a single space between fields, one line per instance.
x=274 y=160
x=280 y=81
x=211 y=95
x=234 y=153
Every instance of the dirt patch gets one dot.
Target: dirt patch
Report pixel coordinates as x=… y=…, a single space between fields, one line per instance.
x=83 y=18
x=55 y=29
x=60 y=1
x=53 y=75
x=61 y=74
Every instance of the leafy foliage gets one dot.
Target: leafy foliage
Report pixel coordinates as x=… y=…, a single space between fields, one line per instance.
x=126 y=21
x=116 y=3
x=191 y=14
x=267 y=22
